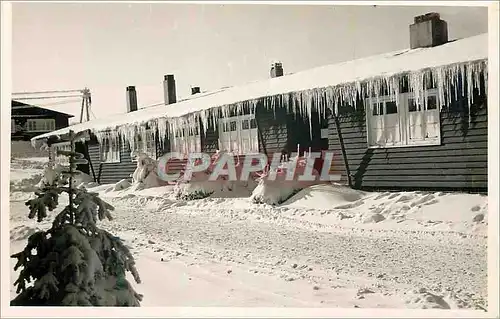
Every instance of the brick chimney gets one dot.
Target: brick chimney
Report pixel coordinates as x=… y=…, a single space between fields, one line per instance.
x=169 y=89
x=195 y=89
x=428 y=30
x=131 y=99
x=276 y=69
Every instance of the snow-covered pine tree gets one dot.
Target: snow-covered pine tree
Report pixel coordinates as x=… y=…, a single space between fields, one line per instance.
x=74 y=263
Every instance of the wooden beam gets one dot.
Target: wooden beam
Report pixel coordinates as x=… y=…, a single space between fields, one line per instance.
x=49 y=116
x=81 y=111
x=99 y=175
x=90 y=161
x=342 y=147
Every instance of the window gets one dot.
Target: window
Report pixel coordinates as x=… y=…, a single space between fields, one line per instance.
x=186 y=141
x=405 y=124
x=239 y=134
x=41 y=125
x=423 y=125
x=144 y=143
x=60 y=159
x=110 y=150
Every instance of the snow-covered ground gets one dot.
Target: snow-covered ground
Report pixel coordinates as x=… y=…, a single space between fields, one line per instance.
x=327 y=246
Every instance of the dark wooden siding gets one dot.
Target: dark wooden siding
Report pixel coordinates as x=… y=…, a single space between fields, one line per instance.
x=272 y=128
x=460 y=162
x=108 y=173
x=62 y=121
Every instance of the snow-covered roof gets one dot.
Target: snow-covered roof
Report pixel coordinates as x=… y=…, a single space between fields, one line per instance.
x=340 y=82
x=16 y=105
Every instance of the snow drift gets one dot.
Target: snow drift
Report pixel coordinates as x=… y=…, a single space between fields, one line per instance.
x=197 y=184
x=276 y=190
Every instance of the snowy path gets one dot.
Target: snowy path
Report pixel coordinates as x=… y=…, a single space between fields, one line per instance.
x=229 y=252
x=247 y=257
x=389 y=264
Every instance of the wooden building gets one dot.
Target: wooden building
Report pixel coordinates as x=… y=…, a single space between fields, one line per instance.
x=28 y=121
x=411 y=119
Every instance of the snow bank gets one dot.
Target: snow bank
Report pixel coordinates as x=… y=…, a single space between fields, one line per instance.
x=146 y=173
x=330 y=205
x=325 y=196
x=272 y=193
x=24 y=179
x=84 y=180
x=25 y=174
x=259 y=273
x=199 y=186
x=433 y=211
x=277 y=190
x=444 y=299
x=145 y=176
x=214 y=189
x=22 y=232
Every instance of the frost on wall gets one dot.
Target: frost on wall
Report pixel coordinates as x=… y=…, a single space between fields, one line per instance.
x=74 y=263
x=447 y=79
x=146 y=172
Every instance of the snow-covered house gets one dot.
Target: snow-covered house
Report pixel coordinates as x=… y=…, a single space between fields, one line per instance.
x=28 y=120
x=415 y=118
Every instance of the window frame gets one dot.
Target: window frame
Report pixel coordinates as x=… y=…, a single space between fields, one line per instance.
x=110 y=159
x=183 y=141
x=138 y=143
x=404 y=119
x=49 y=125
x=226 y=138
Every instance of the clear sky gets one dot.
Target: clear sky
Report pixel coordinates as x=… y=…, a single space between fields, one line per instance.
x=108 y=46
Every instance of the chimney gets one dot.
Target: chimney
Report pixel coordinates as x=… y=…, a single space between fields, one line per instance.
x=428 y=30
x=195 y=89
x=131 y=99
x=276 y=69
x=169 y=89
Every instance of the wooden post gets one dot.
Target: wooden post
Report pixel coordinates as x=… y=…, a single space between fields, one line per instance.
x=99 y=175
x=81 y=111
x=342 y=147
x=71 y=172
x=260 y=136
x=87 y=155
x=87 y=105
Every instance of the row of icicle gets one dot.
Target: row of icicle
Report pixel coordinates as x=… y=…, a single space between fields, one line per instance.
x=447 y=79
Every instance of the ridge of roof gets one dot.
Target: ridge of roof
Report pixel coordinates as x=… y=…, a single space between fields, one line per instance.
x=22 y=104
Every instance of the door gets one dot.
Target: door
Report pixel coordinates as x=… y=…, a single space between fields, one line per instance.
x=307 y=135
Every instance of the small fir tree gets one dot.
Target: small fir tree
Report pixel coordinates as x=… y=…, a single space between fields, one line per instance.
x=74 y=263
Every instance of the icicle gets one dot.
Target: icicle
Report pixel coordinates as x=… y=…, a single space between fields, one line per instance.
x=446 y=79
x=162 y=130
